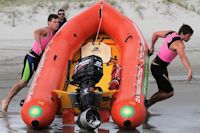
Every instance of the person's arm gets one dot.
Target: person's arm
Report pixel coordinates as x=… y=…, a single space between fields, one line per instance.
x=155 y=37
x=180 y=48
x=38 y=34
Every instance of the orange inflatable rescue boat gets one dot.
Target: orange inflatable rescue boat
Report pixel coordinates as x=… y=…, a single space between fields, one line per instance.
x=100 y=51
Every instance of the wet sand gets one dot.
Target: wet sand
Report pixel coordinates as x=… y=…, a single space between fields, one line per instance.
x=179 y=114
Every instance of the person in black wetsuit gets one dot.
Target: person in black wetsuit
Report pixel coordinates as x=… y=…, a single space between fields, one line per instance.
x=172 y=46
x=42 y=38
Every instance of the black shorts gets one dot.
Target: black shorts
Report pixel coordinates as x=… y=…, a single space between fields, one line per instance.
x=30 y=65
x=160 y=74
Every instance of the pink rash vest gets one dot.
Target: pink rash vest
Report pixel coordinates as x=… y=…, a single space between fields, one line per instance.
x=44 y=41
x=165 y=53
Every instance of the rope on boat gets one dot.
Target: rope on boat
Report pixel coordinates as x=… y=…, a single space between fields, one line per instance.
x=101 y=18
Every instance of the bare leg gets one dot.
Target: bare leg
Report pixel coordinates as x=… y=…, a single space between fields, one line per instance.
x=13 y=91
x=159 y=96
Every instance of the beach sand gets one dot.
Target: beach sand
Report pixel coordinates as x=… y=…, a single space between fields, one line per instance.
x=179 y=114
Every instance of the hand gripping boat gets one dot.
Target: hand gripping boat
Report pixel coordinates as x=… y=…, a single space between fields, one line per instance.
x=101 y=33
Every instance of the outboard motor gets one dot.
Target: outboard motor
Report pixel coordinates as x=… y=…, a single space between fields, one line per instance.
x=87 y=73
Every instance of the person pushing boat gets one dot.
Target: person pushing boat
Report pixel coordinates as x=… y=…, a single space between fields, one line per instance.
x=172 y=46
x=42 y=37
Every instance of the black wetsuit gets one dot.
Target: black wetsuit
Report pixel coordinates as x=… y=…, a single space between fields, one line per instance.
x=159 y=70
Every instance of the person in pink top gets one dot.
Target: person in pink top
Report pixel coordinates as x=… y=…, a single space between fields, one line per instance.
x=172 y=46
x=42 y=37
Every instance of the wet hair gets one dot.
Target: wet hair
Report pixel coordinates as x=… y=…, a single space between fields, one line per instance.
x=52 y=16
x=185 y=29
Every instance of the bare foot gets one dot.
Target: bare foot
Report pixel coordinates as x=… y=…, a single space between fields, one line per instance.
x=4 y=106
x=145 y=124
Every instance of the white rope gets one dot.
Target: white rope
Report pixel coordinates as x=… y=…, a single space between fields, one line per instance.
x=101 y=8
